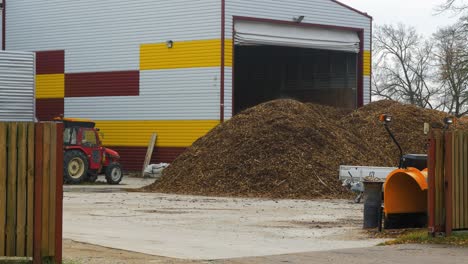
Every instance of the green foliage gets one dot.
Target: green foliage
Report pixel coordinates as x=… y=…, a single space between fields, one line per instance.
x=422 y=237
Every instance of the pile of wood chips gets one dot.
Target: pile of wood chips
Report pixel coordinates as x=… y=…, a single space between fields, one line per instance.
x=288 y=149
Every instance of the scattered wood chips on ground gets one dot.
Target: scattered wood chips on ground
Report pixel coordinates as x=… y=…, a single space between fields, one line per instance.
x=288 y=149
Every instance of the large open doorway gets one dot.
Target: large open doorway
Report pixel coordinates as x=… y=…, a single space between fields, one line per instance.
x=273 y=61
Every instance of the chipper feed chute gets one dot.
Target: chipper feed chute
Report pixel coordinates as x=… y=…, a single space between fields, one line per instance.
x=405 y=198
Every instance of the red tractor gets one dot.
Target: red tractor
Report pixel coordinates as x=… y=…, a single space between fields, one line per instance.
x=84 y=156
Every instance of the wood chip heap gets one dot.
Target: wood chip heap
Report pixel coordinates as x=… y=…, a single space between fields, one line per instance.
x=288 y=149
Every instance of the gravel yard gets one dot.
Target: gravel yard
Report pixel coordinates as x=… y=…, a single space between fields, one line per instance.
x=195 y=227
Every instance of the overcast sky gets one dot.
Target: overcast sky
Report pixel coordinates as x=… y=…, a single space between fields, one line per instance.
x=418 y=13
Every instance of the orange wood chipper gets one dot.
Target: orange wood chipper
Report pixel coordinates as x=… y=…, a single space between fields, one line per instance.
x=405 y=189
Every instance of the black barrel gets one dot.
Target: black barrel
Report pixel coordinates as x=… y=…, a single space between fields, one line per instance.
x=372 y=203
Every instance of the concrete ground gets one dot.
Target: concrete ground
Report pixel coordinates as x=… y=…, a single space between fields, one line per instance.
x=106 y=224
x=194 y=227
x=428 y=254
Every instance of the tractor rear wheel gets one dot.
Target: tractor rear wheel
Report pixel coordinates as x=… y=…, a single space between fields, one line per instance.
x=75 y=166
x=114 y=173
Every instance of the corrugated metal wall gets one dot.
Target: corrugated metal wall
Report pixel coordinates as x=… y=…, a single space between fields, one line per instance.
x=85 y=46
x=106 y=35
x=16 y=86
x=111 y=64
x=324 y=12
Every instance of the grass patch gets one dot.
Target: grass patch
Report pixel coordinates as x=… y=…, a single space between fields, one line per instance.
x=422 y=237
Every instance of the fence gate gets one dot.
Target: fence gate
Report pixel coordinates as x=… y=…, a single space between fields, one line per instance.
x=31 y=192
x=448 y=181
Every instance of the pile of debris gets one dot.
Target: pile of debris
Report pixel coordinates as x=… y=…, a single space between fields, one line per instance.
x=288 y=149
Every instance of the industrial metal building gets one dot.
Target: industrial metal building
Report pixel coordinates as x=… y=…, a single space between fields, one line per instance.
x=180 y=67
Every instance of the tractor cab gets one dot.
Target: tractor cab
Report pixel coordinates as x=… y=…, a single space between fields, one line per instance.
x=84 y=156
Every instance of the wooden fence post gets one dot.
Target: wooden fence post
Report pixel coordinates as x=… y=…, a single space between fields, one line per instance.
x=30 y=191
x=431 y=182
x=59 y=193
x=21 y=203
x=11 y=191
x=37 y=253
x=3 y=182
x=448 y=183
x=465 y=177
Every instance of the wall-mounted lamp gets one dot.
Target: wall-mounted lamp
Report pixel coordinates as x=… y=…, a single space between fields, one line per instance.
x=298 y=19
x=170 y=44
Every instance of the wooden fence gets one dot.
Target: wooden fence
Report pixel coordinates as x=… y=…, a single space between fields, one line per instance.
x=31 y=192
x=448 y=181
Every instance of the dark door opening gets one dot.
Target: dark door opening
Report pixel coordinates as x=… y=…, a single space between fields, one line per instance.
x=264 y=73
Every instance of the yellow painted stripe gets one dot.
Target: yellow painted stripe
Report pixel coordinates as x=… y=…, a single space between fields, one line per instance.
x=367 y=63
x=50 y=86
x=228 y=53
x=184 y=54
x=172 y=133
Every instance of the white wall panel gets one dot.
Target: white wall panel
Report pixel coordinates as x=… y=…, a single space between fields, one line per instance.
x=105 y=35
x=367 y=90
x=182 y=94
x=17 y=72
x=227 y=92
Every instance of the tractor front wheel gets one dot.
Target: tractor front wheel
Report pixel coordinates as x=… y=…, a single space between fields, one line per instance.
x=75 y=166
x=114 y=173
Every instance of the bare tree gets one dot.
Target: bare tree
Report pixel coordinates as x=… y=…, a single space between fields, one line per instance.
x=456 y=6
x=452 y=57
x=402 y=66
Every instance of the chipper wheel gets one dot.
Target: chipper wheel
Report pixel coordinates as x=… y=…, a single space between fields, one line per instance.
x=75 y=167
x=114 y=173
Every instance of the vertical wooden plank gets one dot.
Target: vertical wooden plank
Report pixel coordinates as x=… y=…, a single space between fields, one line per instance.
x=38 y=153
x=448 y=183
x=461 y=178
x=439 y=182
x=3 y=185
x=465 y=176
x=11 y=192
x=30 y=191
x=431 y=183
x=456 y=181
x=59 y=187
x=45 y=190
x=149 y=153
x=21 y=192
x=52 y=187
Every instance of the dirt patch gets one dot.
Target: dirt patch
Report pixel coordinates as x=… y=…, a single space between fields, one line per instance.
x=287 y=149
x=76 y=252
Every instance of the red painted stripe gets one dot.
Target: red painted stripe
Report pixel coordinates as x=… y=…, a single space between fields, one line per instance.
x=50 y=62
x=132 y=158
x=47 y=109
x=117 y=83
